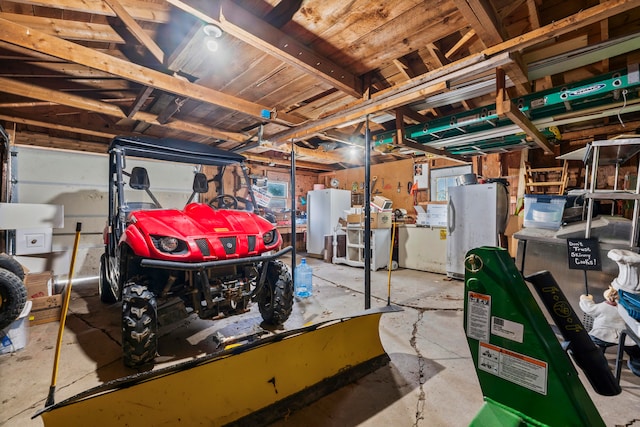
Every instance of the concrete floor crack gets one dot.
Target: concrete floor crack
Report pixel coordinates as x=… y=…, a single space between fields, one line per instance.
x=421 y=365
x=92 y=326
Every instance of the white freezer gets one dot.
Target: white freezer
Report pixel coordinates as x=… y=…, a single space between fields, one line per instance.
x=471 y=222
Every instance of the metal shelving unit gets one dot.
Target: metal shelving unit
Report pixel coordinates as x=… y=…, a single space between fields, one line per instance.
x=613 y=152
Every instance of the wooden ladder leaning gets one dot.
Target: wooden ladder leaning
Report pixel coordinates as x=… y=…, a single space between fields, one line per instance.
x=551 y=180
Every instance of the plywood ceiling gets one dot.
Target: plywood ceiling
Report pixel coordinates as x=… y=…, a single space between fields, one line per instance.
x=301 y=73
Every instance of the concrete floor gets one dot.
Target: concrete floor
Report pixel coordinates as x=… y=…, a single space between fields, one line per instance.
x=430 y=380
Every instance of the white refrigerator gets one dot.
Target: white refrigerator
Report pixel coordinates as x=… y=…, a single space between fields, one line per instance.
x=476 y=215
x=324 y=209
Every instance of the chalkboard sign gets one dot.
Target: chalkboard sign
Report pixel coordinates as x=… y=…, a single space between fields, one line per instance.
x=584 y=254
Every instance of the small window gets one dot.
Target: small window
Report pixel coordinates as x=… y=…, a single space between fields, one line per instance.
x=442 y=179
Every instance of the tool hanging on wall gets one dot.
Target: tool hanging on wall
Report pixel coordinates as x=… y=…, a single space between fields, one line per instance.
x=374 y=181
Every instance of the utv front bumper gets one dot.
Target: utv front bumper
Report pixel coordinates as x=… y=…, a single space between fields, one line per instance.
x=199 y=266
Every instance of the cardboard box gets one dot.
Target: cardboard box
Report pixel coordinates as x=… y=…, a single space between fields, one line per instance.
x=46 y=309
x=514 y=225
x=381 y=220
x=51 y=301
x=39 y=284
x=47 y=315
x=354 y=218
x=378 y=219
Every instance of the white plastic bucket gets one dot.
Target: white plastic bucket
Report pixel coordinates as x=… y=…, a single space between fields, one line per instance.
x=15 y=336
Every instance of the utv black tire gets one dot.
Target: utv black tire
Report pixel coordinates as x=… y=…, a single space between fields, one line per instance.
x=104 y=287
x=9 y=263
x=275 y=300
x=13 y=297
x=139 y=325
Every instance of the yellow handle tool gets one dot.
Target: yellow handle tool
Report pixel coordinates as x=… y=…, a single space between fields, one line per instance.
x=63 y=317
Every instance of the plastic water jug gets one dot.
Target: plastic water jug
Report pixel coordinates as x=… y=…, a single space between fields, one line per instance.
x=302 y=278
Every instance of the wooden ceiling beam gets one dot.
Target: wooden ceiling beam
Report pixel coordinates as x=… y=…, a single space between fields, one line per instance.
x=36 y=92
x=37 y=41
x=506 y=107
x=562 y=26
x=43 y=140
x=430 y=150
x=139 y=10
x=610 y=130
x=466 y=39
x=441 y=60
x=75 y=129
x=307 y=152
x=321 y=167
x=534 y=21
x=428 y=84
x=142 y=97
x=485 y=21
x=358 y=114
x=136 y=30
x=548 y=32
x=66 y=29
x=249 y=28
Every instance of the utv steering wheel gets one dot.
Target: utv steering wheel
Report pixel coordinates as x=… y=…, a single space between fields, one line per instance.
x=225 y=201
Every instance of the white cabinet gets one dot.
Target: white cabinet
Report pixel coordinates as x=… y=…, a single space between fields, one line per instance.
x=354 y=251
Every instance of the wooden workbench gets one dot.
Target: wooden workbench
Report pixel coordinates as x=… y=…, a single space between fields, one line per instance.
x=301 y=236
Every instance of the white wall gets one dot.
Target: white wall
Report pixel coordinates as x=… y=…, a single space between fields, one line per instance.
x=78 y=181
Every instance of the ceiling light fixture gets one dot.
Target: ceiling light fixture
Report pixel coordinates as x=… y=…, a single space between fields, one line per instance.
x=212 y=32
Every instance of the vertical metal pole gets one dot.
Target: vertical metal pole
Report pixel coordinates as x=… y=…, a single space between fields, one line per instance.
x=367 y=217
x=636 y=210
x=592 y=188
x=293 y=208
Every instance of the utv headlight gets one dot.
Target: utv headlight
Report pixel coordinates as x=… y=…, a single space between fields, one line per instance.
x=269 y=237
x=168 y=244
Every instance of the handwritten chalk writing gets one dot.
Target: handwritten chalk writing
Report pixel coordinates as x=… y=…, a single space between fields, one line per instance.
x=583 y=254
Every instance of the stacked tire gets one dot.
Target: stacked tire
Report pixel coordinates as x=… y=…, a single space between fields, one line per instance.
x=13 y=292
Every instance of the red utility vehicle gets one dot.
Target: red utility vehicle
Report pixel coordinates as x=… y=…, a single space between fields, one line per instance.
x=170 y=253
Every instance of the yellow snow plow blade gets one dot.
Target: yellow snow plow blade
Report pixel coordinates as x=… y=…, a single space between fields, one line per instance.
x=258 y=381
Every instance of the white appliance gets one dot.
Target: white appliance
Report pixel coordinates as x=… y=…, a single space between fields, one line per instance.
x=477 y=214
x=324 y=209
x=422 y=248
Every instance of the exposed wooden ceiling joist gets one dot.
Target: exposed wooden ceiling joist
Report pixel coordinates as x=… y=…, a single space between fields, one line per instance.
x=136 y=30
x=75 y=129
x=506 y=107
x=429 y=84
x=69 y=30
x=487 y=25
x=557 y=28
x=36 y=92
x=37 y=41
x=258 y=33
x=139 y=10
x=404 y=46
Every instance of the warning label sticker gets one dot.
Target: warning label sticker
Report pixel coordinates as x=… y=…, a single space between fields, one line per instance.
x=507 y=329
x=514 y=367
x=478 y=316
